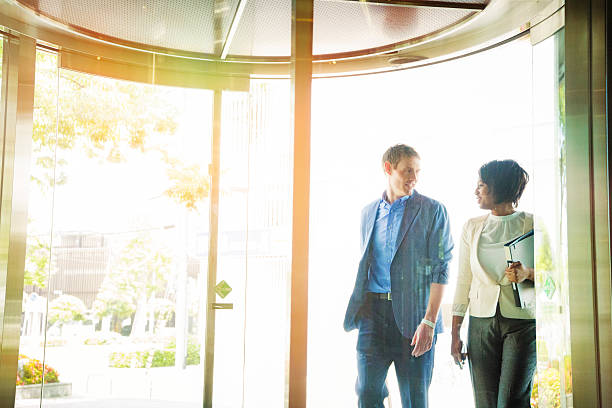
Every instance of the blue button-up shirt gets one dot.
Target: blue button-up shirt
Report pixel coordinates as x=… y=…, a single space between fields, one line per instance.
x=387 y=225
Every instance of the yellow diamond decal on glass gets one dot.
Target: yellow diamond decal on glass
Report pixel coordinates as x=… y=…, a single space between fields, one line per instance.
x=223 y=289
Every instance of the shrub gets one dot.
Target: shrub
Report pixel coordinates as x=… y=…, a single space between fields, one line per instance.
x=53 y=342
x=132 y=359
x=163 y=358
x=31 y=371
x=158 y=357
x=66 y=308
x=101 y=338
x=546 y=389
x=193 y=353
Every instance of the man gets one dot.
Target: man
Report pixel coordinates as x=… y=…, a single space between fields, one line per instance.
x=405 y=250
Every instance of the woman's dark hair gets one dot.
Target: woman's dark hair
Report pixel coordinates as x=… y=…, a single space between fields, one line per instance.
x=506 y=180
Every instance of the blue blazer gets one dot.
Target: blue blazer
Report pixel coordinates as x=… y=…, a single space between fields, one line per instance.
x=422 y=253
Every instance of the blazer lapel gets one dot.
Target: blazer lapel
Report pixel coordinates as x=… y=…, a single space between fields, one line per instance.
x=413 y=206
x=369 y=223
x=474 y=252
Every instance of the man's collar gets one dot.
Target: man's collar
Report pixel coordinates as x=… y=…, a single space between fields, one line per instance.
x=402 y=200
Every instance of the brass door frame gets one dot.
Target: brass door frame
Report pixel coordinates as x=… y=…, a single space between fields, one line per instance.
x=588 y=202
x=19 y=60
x=302 y=12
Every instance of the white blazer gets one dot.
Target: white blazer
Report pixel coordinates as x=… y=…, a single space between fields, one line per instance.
x=476 y=289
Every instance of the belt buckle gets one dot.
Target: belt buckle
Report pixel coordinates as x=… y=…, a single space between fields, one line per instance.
x=388 y=295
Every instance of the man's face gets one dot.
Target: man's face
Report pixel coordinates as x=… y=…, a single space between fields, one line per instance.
x=404 y=176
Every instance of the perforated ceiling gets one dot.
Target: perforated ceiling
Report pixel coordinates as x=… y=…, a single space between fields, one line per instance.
x=264 y=29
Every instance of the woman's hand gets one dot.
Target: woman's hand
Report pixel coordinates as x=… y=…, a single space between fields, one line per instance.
x=456 y=346
x=516 y=272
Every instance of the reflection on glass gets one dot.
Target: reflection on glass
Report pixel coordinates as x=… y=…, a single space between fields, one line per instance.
x=38 y=265
x=553 y=381
x=116 y=264
x=457 y=115
x=254 y=254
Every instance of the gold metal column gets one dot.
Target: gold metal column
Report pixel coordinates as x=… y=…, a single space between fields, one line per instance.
x=588 y=202
x=301 y=81
x=209 y=344
x=18 y=104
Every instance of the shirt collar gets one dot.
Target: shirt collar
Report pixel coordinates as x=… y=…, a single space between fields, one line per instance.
x=402 y=201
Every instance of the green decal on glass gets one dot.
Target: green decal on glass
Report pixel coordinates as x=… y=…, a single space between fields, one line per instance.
x=549 y=287
x=223 y=289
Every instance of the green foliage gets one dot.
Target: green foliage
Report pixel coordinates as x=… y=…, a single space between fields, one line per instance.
x=141 y=270
x=31 y=371
x=105 y=119
x=544 y=261
x=66 y=308
x=113 y=300
x=162 y=309
x=102 y=338
x=193 y=354
x=546 y=390
x=132 y=359
x=53 y=342
x=189 y=185
x=158 y=357
x=36 y=262
x=163 y=358
x=102 y=117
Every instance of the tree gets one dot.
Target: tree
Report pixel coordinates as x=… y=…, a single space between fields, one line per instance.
x=105 y=119
x=102 y=117
x=37 y=262
x=141 y=270
x=65 y=309
x=189 y=184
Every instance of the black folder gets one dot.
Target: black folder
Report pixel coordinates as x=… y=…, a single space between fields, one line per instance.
x=520 y=249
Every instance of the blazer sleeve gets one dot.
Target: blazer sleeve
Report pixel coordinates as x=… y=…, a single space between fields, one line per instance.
x=464 y=277
x=440 y=246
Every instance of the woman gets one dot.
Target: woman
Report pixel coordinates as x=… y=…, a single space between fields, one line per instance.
x=501 y=337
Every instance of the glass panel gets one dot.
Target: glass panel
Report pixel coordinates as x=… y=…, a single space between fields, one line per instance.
x=38 y=265
x=124 y=296
x=457 y=115
x=254 y=247
x=553 y=382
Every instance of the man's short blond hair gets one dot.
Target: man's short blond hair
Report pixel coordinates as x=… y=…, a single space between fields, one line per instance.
x=396 y=153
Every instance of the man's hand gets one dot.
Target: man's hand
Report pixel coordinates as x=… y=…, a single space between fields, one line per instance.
x=516 y=272
x=422 y=340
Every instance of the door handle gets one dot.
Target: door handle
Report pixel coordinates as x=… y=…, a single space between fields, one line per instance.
x=222 y=305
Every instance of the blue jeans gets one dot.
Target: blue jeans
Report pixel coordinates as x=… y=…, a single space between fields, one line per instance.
x=379 y=344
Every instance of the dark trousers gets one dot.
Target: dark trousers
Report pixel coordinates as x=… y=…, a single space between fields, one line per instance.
x=379 y=344
x=502 y=357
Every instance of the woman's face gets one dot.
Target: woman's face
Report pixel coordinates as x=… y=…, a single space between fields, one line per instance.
x=484 y=196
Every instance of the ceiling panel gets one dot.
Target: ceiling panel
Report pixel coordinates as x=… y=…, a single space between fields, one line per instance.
x=202 y=26
x=339 y=26
x=179 y=24
x=265 y=29
x=351 y=26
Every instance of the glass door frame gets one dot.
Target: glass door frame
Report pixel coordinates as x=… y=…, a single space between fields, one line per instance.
x=588 y=171
x=588 y=182
x=18 y=69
